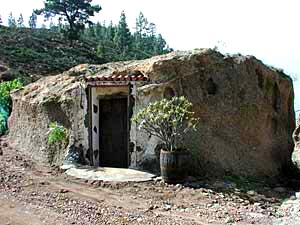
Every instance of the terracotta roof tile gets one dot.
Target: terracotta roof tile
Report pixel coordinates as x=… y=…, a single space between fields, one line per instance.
x=119 y=77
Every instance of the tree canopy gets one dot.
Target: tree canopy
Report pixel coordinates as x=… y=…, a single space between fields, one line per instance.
x=76 y=13
x=117 y=43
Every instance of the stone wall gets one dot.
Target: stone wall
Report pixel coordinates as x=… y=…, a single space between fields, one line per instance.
x=45 y=101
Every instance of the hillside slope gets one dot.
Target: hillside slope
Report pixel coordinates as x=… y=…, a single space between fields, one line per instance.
x=41 y=52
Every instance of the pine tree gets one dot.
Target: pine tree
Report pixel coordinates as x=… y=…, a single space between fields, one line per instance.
x=11 y=20
x=0 y=20
x=139 y=35
x=145 y=38
x=111 y=32
x=52 y=25
x=20 y=21
x=75 y=12
x=123 y=38
x=141 y=25
x=160 y=45
x=32 y=21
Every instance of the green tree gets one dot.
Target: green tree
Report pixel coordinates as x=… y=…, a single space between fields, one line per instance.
x=52 y=26
x=146 y=42
x=32 y=21
x=139 y=36
x=141 y=25
x=0 y=20
x=20 y=21
x=75 y=12
x=11 y=20
x=160 y=46
x=123 y=38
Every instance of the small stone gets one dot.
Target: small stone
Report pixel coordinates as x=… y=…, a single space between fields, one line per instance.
x=63 y=191
x=178 y=186
x=251 y=192
x=229 y=220
x=167 y=207
x=157 y=179
x=151 y=207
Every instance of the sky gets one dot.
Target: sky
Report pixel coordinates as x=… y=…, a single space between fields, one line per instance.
x=267 y=29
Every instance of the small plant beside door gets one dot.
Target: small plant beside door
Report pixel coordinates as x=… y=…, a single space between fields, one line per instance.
x=57 y=133
x=58 y=139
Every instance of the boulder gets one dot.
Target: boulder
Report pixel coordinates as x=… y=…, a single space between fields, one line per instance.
x=245 y=108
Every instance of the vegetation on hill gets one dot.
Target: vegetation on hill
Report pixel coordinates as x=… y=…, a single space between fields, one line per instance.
x=45 y=51
x=29 y=52
x=41 y=51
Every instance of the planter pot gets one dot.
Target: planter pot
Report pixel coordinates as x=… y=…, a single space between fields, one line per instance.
x=174 y=166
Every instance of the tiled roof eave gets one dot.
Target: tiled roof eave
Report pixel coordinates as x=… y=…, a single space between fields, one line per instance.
x=117 y=77
x=111 y=83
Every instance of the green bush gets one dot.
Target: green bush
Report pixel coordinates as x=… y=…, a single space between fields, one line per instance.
x=57 y=133
x=169 y=120
x=5 y=89
x=3 y=119
x=5 y=102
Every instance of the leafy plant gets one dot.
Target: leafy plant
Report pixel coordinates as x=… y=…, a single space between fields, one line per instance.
x=57 y=133
x=3 y=119
x=5 y=102
x=5 y=89
x=169 y=120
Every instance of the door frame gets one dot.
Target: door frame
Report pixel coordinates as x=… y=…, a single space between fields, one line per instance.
x=94 y=98
x=113 y=97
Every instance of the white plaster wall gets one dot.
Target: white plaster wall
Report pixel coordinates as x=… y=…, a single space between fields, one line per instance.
x=95 y=124
x=144 y=145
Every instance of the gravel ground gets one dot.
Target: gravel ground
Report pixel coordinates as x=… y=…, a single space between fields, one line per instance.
x=35 y=194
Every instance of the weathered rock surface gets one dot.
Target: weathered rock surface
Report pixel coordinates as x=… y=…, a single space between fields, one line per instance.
x=54 y=98
x=245 y=107
x=296 y=138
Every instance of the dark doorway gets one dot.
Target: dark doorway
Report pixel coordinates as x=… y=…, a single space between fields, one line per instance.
x=113 y=132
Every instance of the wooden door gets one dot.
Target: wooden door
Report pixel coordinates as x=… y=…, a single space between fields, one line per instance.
x=113 y=132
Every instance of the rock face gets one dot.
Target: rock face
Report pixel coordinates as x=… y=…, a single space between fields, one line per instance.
x=245 y=108
x=296 y=138
x=55 y=98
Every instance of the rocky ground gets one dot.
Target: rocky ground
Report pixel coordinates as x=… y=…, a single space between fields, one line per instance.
x=34 y=194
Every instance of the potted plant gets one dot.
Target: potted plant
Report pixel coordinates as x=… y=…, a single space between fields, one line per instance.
x=169 y=120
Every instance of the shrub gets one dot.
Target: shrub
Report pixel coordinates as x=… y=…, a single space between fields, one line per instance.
x=169 y=120
x=5 y=89
x=5 y=101
x=57 y=133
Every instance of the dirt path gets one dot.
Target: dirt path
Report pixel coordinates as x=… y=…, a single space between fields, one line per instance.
x=34 y=194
